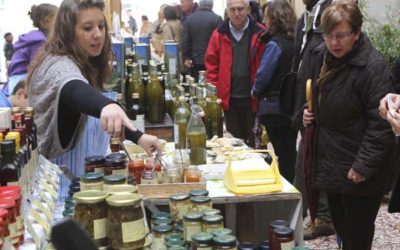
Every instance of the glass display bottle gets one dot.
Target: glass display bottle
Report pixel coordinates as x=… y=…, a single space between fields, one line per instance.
x=215 y=113
x=136 y=112
x=136 y=86
x=196 y=134
x=181 y=119
x=154 y=97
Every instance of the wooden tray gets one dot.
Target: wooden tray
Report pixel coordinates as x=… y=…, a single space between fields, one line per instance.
x=167 y=189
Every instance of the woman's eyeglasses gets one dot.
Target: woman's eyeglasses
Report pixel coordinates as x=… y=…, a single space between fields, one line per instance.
x=338 y=36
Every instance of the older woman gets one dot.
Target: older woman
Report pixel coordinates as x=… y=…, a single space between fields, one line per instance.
x=353 y=144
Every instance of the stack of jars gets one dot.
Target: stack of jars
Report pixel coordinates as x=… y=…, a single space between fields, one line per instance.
x=280 y=235
x=10 y=207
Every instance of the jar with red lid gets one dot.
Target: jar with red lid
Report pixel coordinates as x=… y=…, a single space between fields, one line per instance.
x=136 y=167
x=94 y=164
x=4 y=221
x=16 y=197
x=12 y=226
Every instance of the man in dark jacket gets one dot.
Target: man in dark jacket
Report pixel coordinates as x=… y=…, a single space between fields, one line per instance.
x=197 y=31
x=8 y=46
x=232 y=59
x=308 y=36
x=186 y=8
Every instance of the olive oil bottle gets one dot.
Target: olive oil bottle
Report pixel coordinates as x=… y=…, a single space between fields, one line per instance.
x=215 y=113
x=181 y=119
x=154 y=97
x=136 y=85
x=196 y=135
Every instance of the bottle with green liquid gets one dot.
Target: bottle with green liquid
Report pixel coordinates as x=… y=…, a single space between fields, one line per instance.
x=196 y=135
x=181 y=119
x=154 y=97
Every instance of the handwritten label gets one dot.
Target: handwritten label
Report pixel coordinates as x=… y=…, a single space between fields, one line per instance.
x=42 y=222
x=43 y=209
x=49 y=189
x=33 y=233
x=99 y=228
x=133 y=231
x=46 y=199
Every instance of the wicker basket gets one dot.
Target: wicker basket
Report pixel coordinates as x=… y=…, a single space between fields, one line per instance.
x=167 y=189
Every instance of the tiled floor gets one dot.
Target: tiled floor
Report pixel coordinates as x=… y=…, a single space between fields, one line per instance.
x=387 y=234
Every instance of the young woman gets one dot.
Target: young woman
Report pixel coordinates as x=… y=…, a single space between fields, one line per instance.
x=26 y=48
x=65 y=83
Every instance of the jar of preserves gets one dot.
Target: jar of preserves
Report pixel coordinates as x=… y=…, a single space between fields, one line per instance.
x=13 y=237
x=153 y=164
x=178 y=206
x=159 y=215
x=126 y=227
x=112 y=180
x=92 y=181
x=247 y=246
x=94 y=164
x=222 y=231
x=274 y=224
x=149 y=177
x=162 y=221
x=159 y=234
x=199 y=203
x=91 y=214
x=211 y=211
x=178 y=228
x=226 y=242
x=198 y=192
x=136 y=167
x=212 y=222
x=5 y=234
x=192 y=174
x=115 y=166
x=283 y=238
x=176 y=248
x=115 y=144
x=173 y=175
x=202 y=241
x=14 y=195
x=116 y=155
x=122 y=189
x=74 y=188
x=191 y=225
x=69 y=202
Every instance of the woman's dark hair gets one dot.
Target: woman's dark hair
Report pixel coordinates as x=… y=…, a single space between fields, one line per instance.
x=62 y=42
x=41 y=12
x=145 y=18
x=342 y=12
x=281 y=18
x=255 y=11
x=170 y=13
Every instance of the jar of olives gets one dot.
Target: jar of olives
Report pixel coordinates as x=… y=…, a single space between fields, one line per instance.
x=211 y=211
x=202 y=241
x=159 y=234
x=225 y=242
x=191 y=225
x=212 y=222
x=92 y=181
x=178 y=206
x=199 y=203
x=122 y=189
x=198 y=192
x=222 y=231
x=91 y=214
x=112 y=180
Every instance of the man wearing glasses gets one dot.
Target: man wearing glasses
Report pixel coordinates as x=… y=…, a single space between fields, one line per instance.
x=232 y=59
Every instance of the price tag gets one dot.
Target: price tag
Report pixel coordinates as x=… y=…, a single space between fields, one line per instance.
x=33 y=233
x=43 y=209
x=46 y=199
x=49 y=188
x=42 y=222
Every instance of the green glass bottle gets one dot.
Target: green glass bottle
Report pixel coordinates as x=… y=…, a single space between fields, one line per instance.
x=181 y=119
x=196 y=134
x=215 y=112
x=154 y=97
x=200 y=91
x=136 y=85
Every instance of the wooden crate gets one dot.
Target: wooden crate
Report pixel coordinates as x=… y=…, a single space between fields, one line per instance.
x=167 y=189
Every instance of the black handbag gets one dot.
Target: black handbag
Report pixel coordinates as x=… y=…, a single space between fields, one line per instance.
x=287 y=93
x=268 y=105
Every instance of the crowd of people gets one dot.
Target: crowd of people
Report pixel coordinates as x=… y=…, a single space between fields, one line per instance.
x=248 y=55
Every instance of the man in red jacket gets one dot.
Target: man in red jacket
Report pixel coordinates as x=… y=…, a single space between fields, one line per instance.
x=232 y=59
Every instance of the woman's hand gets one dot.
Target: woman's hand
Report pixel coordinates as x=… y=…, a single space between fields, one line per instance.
x=308 y=117
x=150 y=143
x=113 y=120
x=354 y=176
x=385 y=107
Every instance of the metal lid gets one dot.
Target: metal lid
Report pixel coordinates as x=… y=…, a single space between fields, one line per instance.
x=279 y=223
x=122 y=189
x=199 y=192
x=68 y=212
x=115 y=140
x=174 y=242
x=172 y=236
x=113 y=162
x=124 y=200
x=225 y=240
x=162 y=221
x=8 y=145
x=96 y=159
x=211 y=211
x=92 y=176
x=160 y=215
x=283 y=231
x=117 y=155
x=202 y=237
x=264 y=245
x=213 y=218
x=200 y=199
x=179 y=197
x=193 y=216
x=90 y=196
x=178 y=227
x=247 y=246
x=177 y=248
x=114 y=178
x=163 y=228
x=222 y=231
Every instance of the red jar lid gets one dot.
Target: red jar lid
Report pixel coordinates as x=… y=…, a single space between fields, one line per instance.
x=10 y=196
x=10 y=189
x=7 y=203
x=3 y=213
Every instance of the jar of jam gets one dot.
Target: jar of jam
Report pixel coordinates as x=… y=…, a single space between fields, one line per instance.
x=191 y=225
x=274 y=224
x=115 y=144
x=112 y=180
x=94 y=164
x=12 y=222
x=202 y=241
x=192 y=174
x=211 y=211
x=159 y=234
x=283 y=238
x=122 y=189
x=92 y=181
x=116 y=155
x=199 y=203
x=136 y=167
x=15 y=196
x=91 y=213
x=5 y=217
x=178 y=206
x=247 y=246
x=212 y=222
x=115 y=166
x=126 y=227
x=222 y=231
x=149 y=177
x=159 y=215
x=225 y=242
x=198 y=192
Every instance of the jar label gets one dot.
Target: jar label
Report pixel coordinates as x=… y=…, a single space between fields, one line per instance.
x=182 y=209
x=120 y=172
x=13 y=229
x=99 y=170
x=91 y=186
x=20 y=223
x=99 y=228
x=287 y=245
x=158 y=244
x=133 y=230
x=189 y=230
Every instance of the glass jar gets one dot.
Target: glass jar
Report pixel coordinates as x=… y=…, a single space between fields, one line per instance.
x=14 y=195
x=212 y=222
x=149 y=177
x=283 y=238
x=154 y=164
x=13 y=237
x=115 y=144
x=191 y=225
x=264 y=245
x=94 y=164
x=174 y=243
x=222 y=231
x=198 y=192
x=69 y=213
x=211 y=211
x=159 y=234
x=159 y=215
x=162 y=221
x=92 y=181
x=225 y=242
x=202 y=241
x=181 y=160
x=126 y=227
x=199 y=203
x=178 y=228
x=192 y=174
x=247 y=246
x=112 y=180
x=122 y=189
x=69 y=202
x=178 y=206
x=116 y=166
x=173 y=174
x=173 y=237
x=6 y=217
x=274 y=224
x=91 y=214
x=136 y=167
